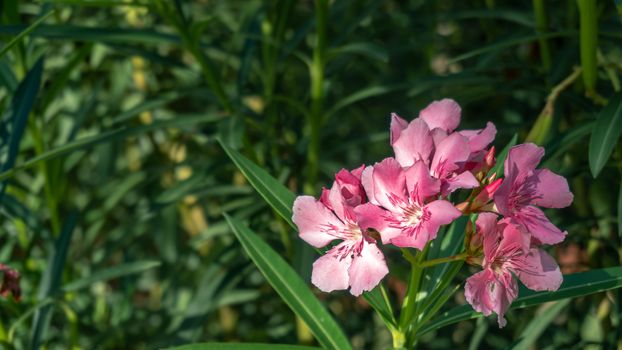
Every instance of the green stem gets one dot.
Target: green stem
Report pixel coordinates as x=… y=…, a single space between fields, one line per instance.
x=541 y=28
x=409 y=307
x=433 y=262
x=588 y=36
x=317 y=94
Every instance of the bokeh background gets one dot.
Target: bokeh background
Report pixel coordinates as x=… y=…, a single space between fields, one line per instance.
x=114 y=185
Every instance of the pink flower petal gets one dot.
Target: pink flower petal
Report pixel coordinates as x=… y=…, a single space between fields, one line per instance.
x=502 y=197
x=441 y=212
x=551 y=190
x=452 y=150
x=368 y=184
x=463 y=180
x=389 y=183
x=330 y=272
x=397 y=125
x=523 y=158
x=488 y=293
x=312 y=219
x=419 y=182
x=417 y=240
x=444 y=114
x=539 y=225
x=413 y=144
x=543 y=272
x=370 y=216
x=438 y=135
x=480 y=139
x=368 y=268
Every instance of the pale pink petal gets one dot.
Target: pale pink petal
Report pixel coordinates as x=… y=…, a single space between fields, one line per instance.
x=370 y=216
x=336 y=201
x=313 y=219
x=502 y=294
x=463 y=180
x=419 y=182
x=367 y=269
x=452 y=150
x=441 y=212
x=389 y=183
x=502 y=197
x=438 y=135
x=541 y=271
x=413 y=144
x=476 y=291
x=444 y=114
x=416 y=240
x=480 y=139
x=486 y=224
x=330 y=272
x=551 y=190
x=539 y=225
x=368 y=184
x=397 y=125
x=523 y=159
x=513 y=238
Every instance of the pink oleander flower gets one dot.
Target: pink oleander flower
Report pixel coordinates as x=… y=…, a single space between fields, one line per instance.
x=402 y=207
x=505 y=255
x=431 y=139
x=356 y=262
x=524 y=187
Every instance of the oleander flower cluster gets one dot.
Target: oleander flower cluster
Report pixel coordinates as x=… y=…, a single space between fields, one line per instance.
x=404 y=200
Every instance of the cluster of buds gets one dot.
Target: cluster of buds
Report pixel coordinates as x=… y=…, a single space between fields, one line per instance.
x=404 y=200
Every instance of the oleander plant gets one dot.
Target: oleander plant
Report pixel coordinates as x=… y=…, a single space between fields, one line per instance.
x=297 y=175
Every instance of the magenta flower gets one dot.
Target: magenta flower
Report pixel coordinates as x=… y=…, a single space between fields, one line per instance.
x=399 y=204
x=494 y=288
x=524 y=187
x=356 y=262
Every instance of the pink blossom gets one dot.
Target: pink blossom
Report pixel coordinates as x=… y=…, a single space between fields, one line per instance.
x=356 y=262
x=494 y=288
x=432 y=140
x=400 y=205
x=524 y=187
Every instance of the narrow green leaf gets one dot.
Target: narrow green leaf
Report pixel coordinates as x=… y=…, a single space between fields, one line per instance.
x=23 y=34
x=365 y=93
x=278 y=196
x=378 y=299
x=538 y=325
x=557 y=147
x=367 y=49
x=574 y=286
x=241 y=346
x=50 y=282
x=14 y=121
x=606 y=134
x=588 y=35
x=498 y=168
x=620 y=211
x=292 y=289
x=110 y=273
x=109 y=136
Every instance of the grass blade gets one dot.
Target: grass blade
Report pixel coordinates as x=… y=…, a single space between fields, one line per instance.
x=278 y=196
x=292 y=289
x=23 y=34
x=241 y=346
x=110 y=273
x=574 y=286
x=606 y=134
x=538 y=325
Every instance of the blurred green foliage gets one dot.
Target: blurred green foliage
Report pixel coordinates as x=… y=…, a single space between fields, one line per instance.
x=114 y=187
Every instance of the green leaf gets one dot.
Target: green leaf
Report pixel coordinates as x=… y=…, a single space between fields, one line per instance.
x=241 y=346
x=379 y=300
x=498 y=168
x=620 y=211
x=110 y=273
x=538 y=325
x=606 y=134
x=13 y=124
x=23 y=34
x=109 y=136
x=574 y=285
x=50 y=282
x=292 y=289
x=368 y=49
x=278 y=196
